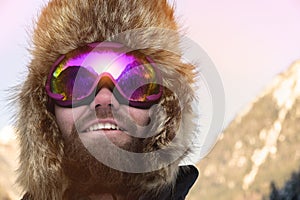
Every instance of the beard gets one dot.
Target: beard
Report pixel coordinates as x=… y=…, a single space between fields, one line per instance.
x=86 y=174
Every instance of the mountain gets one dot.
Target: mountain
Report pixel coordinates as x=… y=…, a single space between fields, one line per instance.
x=8 y=164
x=259 y=147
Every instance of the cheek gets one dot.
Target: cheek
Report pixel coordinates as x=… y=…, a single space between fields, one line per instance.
x=140 y=116
x=64 y=119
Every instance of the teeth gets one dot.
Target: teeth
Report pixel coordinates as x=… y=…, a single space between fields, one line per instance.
x=102 y=126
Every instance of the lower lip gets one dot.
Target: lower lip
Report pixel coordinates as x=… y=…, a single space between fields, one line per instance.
x=119 y=137
x=95 y=139
x=105 y=131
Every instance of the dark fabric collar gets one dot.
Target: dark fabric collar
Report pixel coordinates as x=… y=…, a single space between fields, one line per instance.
x=186 y=178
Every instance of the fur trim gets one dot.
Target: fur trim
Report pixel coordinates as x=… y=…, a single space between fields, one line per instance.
x=65 y=25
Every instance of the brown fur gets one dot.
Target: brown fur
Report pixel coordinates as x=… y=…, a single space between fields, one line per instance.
x=65 y=25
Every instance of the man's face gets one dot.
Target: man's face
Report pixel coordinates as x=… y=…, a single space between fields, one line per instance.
x=103 y=118
x=123 y=87
x=104 y=104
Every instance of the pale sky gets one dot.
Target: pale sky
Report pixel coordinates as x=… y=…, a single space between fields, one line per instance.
x=249 y=42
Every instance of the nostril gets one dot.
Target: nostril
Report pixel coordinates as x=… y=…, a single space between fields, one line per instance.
x=108 y=105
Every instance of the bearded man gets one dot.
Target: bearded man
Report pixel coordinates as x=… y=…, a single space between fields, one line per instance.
x=106 y=108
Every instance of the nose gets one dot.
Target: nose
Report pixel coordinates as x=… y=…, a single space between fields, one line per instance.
x=105 y=99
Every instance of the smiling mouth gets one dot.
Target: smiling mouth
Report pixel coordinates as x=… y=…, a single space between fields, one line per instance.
x=103 y=127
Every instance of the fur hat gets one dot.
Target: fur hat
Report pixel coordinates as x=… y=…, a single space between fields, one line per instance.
x=66 y=25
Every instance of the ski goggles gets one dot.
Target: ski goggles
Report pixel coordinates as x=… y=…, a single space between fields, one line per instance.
x=76 y=77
